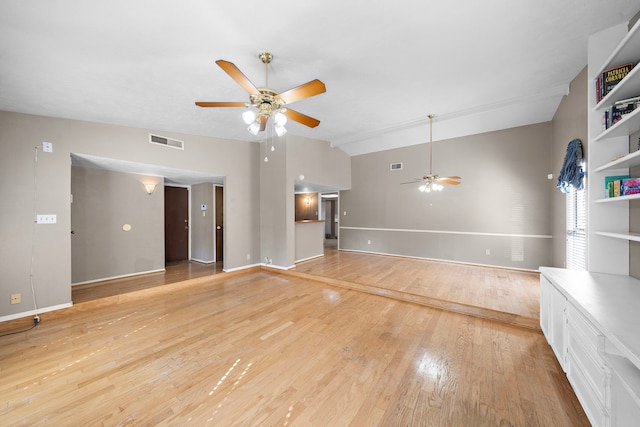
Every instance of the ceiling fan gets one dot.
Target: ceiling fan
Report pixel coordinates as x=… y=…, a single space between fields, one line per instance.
x=265 y=102
x=433 y=182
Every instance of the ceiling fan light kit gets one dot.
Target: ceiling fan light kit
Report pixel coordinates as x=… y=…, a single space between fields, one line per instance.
x=433 y=182
x=265 y=103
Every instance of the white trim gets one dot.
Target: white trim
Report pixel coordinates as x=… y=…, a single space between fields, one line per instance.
x=160 y=270
x=473 y=233
x=244 y=267
x=202 y=262
x=502 y=267
x=308 y=258
x=278 y=267
x=35 y=312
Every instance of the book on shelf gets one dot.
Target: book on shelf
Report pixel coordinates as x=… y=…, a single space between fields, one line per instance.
x=616 y=112
x=630 y=186
x=622 y=186
x=613 y=185
x=606 y=81
x=629 y=101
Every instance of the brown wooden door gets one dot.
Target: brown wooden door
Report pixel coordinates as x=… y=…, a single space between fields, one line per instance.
x=219 y=222
x=176 y=224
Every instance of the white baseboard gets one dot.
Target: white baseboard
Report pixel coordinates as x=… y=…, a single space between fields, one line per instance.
x=278 y=267
x=244 y=267
x=308 y=258
x=34 y=312
x=202 y=262
x=160 y=270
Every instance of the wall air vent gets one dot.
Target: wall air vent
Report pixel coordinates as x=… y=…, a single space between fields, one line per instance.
x=168 y=142
x=395 y=166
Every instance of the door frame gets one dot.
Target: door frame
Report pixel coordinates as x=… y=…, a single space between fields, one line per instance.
x=215 y=223
x=188 y=187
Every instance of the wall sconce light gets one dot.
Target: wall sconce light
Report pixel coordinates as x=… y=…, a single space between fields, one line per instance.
x=150 y=187
x=307 y=201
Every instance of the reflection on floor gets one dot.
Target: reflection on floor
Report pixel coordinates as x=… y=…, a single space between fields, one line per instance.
x=503 y=295
x=175 y=272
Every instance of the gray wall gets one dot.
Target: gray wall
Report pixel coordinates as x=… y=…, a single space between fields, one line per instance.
x=274 y=212
x=293 y=156
x=237 y=161
x=202 y=226
x=104 y=201
x=569 y=123
x=499 y=215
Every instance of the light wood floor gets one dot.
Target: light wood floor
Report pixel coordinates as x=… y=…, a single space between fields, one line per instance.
x=505 y=295
x=173 y=273
x=261 y=348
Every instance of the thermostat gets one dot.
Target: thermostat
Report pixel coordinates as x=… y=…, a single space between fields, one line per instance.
x=203 y=207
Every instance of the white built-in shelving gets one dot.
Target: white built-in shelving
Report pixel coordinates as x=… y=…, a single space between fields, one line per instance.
x=590 y=318
x=608 y=150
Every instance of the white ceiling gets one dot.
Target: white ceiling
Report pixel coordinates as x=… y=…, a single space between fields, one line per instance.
x=477 y=65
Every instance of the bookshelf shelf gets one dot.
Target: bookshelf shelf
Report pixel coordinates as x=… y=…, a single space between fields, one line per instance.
x=628 y=125
x=619 y=199
x=626 y=51
x=628 y=161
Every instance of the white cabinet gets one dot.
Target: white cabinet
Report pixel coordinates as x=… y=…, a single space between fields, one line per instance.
x=625 y=392
x=553 y=319
x=586 y=369
x=596 y=340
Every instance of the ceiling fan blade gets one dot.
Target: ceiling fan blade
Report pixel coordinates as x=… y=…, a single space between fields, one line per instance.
x=221 y=104
x=263 y=122
x=446 y=181
x=236 y=74
x=415 y=181
x=301 y=118
x=307 y=90
x=451 y=177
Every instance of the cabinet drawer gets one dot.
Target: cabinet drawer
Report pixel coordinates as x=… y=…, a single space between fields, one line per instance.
x=592 y=337
x=589 y=400
x=586 y=359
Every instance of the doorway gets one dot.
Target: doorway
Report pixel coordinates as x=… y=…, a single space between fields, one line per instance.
x=330 y=216
x=176 y=224
x=219 y=194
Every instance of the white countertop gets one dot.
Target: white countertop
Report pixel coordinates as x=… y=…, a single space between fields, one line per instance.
x=611 y=302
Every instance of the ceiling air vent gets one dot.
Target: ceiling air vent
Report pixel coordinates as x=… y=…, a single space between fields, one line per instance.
x=395 y=166
x=168 y=142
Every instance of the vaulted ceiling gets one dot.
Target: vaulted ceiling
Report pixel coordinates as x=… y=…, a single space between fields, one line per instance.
x=477 y=65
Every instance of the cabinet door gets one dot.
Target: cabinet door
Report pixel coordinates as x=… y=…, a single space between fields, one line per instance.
x=545 y=307
x=558 y=325
x=625 y=393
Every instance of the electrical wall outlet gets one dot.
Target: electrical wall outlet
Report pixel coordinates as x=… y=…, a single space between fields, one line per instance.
x=46 y=219
x=47 y=147
x=16 y=298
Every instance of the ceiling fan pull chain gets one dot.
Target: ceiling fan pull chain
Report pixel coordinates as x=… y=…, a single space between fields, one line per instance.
x=430 y=144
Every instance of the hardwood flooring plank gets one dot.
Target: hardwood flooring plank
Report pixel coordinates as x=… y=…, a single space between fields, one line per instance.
x=263 y=348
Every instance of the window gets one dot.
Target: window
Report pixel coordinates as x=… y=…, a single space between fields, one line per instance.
x=577 y=229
